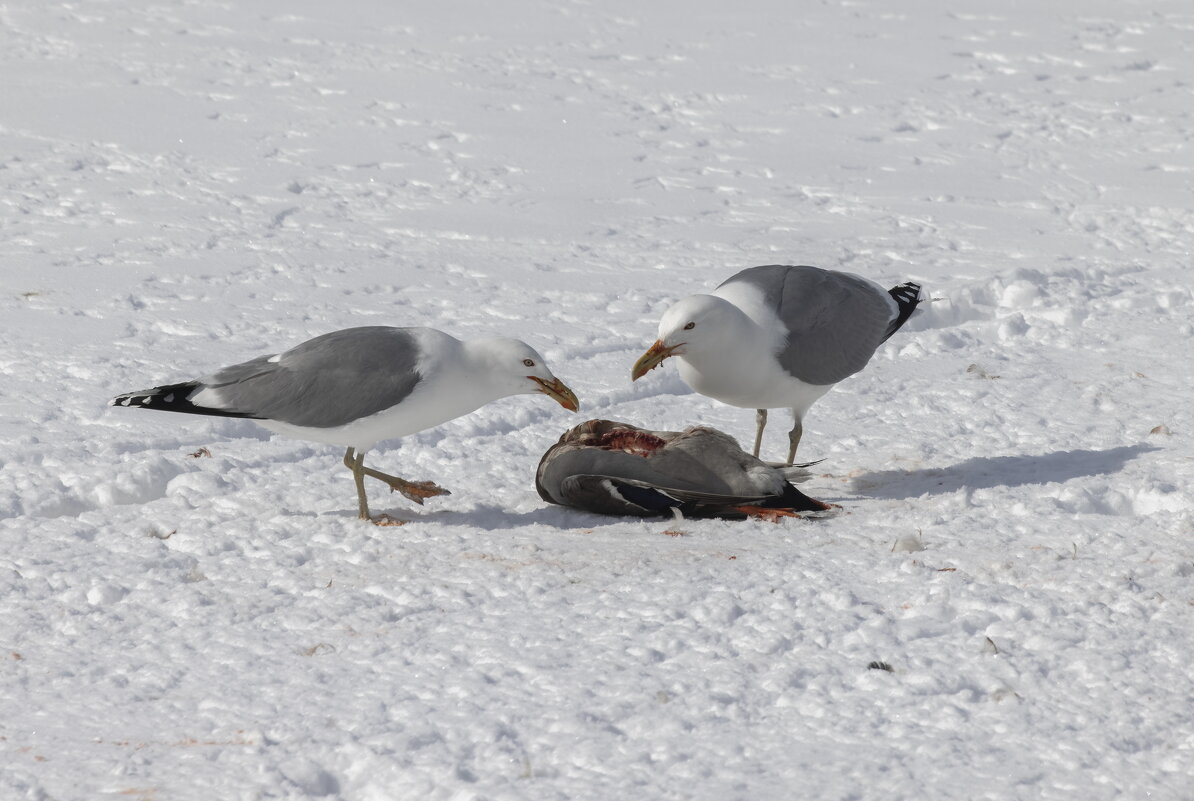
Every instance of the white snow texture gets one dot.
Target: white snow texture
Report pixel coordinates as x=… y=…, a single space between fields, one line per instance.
x=189 y=608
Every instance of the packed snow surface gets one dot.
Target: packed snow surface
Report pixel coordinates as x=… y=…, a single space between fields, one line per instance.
x=1004 y=607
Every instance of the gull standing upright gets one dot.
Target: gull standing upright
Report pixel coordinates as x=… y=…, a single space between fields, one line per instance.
x=359 y=386
x=778 y=336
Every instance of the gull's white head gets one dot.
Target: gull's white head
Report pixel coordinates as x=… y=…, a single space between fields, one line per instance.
x=515 y=368
x=691 y=325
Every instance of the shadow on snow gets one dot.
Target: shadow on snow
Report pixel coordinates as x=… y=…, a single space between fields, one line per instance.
x=490 y=517
x=985 y=472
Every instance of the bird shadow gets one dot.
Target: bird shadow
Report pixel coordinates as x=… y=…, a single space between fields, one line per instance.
x=980 y=472
x=492 y=517
x=985 y=472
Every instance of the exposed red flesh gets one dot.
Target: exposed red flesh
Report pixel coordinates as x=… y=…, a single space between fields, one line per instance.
x=637 y=442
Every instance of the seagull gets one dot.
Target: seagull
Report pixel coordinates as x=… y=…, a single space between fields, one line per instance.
x=359 y=386
x=778 y=336
x=615 y=468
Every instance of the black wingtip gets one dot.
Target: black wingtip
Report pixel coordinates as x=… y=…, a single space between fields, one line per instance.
x=171 y=398
x=907 y=297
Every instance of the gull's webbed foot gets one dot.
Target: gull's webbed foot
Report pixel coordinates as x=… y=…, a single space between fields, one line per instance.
x=417 y=491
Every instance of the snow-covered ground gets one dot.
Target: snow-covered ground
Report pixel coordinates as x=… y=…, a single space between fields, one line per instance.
x=186 y=184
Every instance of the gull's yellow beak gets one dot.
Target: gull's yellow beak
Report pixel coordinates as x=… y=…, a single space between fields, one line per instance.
x=557 y=391
x=652 y=359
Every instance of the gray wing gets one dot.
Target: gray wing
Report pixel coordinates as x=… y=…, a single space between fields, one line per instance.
x=327 y=381
x=737 y=472
x=835 y=320
x=614 y=482
x=561 y=463
x=700 y=465
x=616 y=495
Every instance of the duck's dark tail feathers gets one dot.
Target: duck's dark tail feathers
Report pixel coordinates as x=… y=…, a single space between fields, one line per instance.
x=172 y=398
x=907 y=295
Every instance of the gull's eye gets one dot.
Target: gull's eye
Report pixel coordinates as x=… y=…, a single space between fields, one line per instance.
x=528 y=362
x=690 y=326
